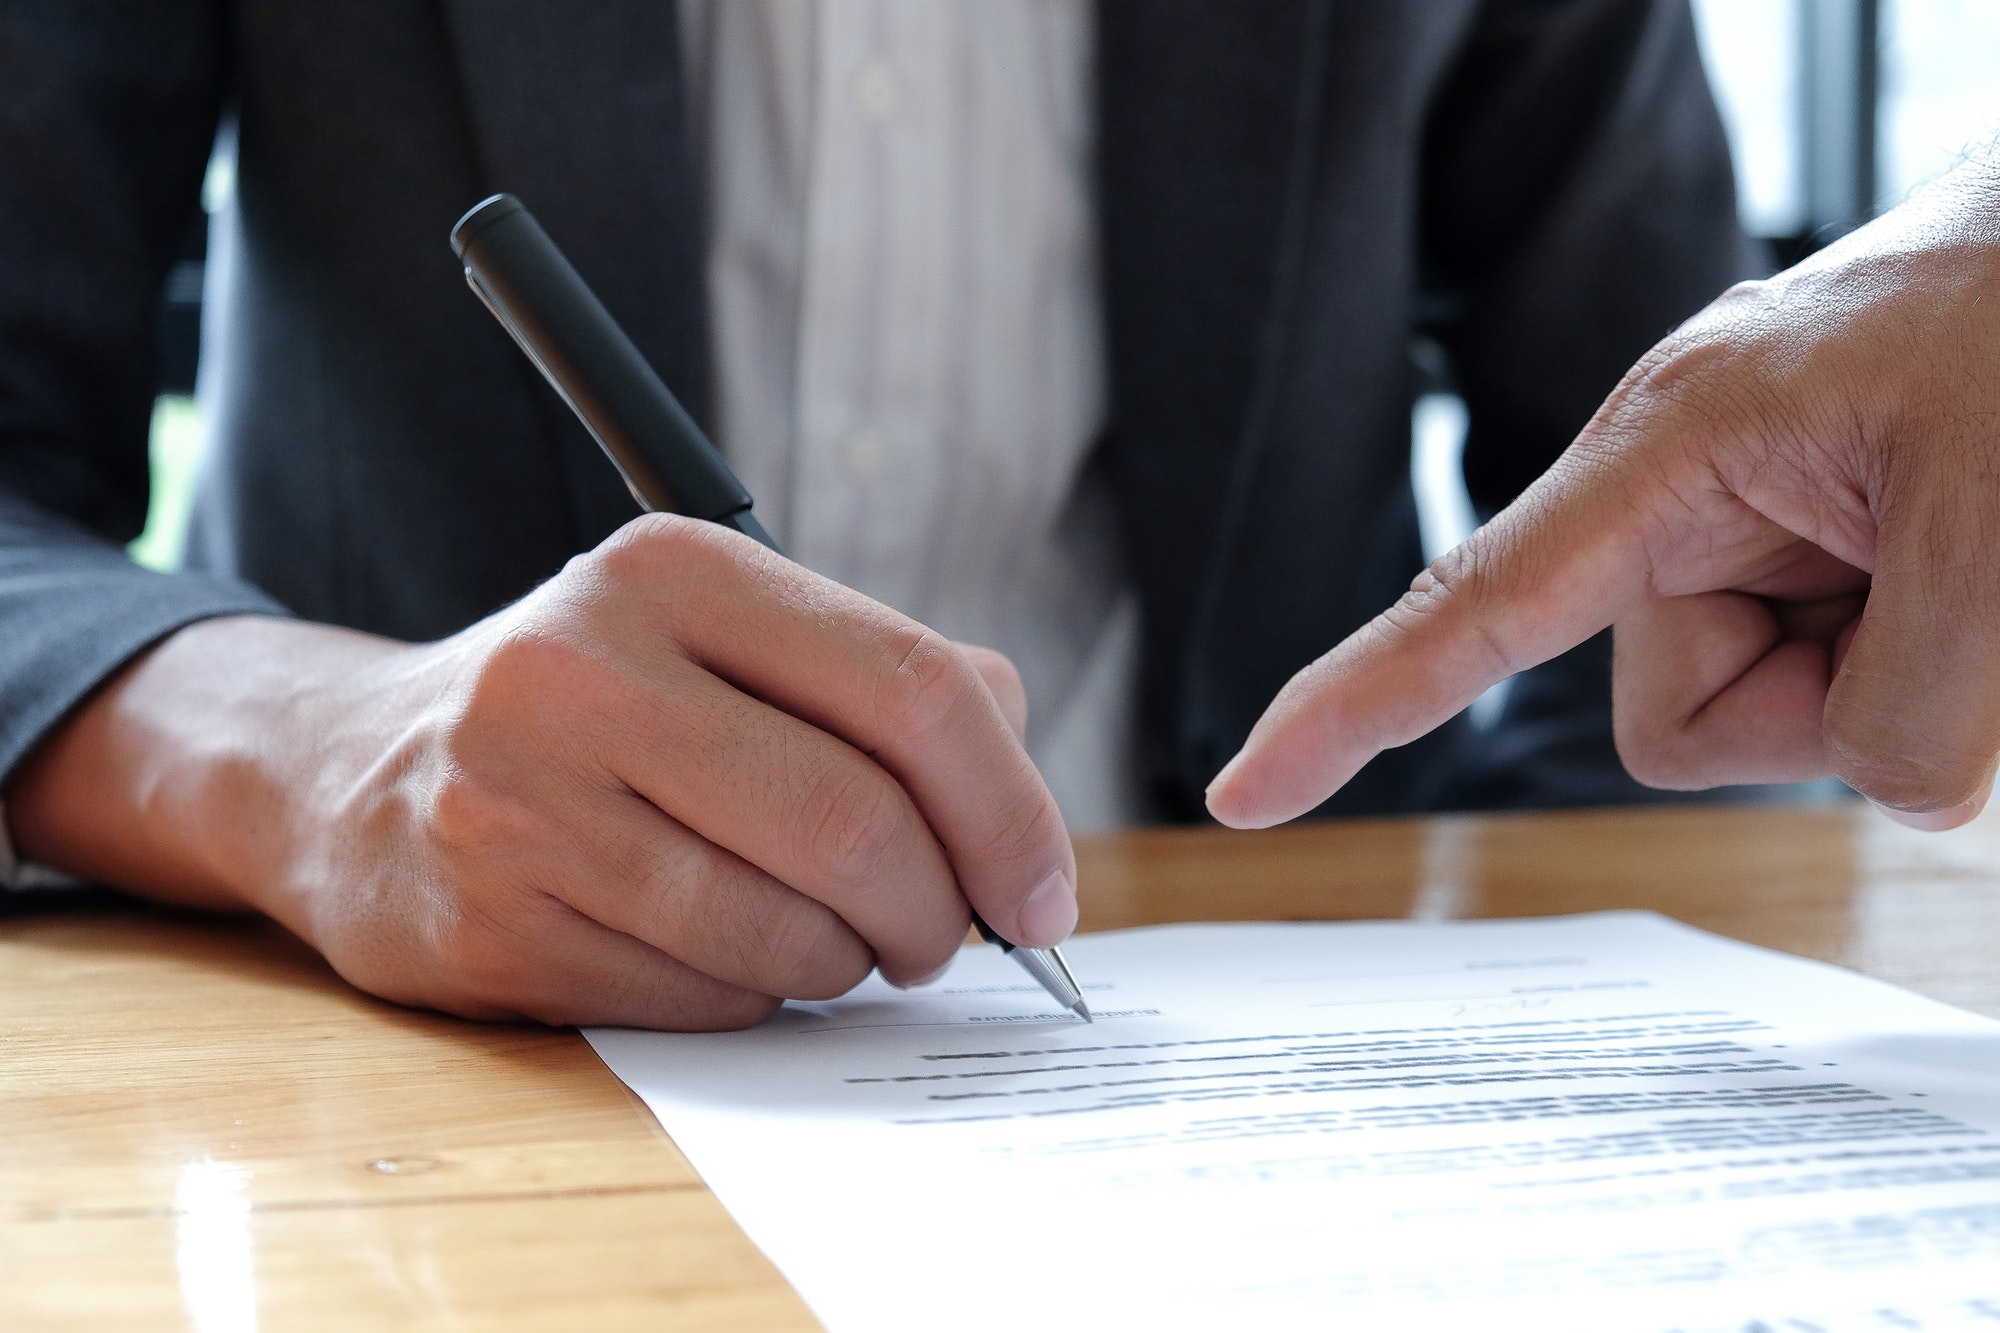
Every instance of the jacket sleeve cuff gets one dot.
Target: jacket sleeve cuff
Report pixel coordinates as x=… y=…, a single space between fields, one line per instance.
x=44 y=678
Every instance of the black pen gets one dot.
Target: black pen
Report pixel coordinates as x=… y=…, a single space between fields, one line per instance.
x=667 y=463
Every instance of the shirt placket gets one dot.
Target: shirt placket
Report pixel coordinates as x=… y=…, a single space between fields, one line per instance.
x=871 y=269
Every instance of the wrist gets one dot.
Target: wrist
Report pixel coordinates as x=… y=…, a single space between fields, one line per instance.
x=178 y=778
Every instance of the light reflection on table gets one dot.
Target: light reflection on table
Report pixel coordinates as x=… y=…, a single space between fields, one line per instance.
x=212 y=1249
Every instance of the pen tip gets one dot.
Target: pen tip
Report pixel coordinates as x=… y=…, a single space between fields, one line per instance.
x=1083 y=1011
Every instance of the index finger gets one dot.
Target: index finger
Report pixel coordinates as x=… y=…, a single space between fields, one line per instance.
x=1555 y=567
x=899 y=692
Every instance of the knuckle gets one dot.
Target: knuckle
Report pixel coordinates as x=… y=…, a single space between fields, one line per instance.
x=1665 y=740
x=527 y=666
x=652 y=553
x=925 y=685
x=542 y=696
x=808 y=957
x=474 y=822
x=1658 y=761
x=1715 y=374
x=1026 y=829
x=652 y=543
x=1682 y=361
x=785 y=950
x=1747 y=291
x=1457 y=579
x=852 y=822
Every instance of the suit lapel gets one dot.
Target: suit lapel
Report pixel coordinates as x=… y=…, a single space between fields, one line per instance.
x=581 y=111
x=1206 y=118
x=1200 y=160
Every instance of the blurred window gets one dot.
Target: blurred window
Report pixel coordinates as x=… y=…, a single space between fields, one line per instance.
x=1940 y=89
x=1837 y=109
x=1751 y=50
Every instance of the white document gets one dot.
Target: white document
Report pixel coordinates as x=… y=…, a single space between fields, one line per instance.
x=1606 y=1122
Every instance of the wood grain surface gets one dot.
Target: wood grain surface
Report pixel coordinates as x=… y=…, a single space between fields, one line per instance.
x=206 y=1129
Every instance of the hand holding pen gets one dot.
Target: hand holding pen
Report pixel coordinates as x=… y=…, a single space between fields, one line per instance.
x=905 y=769
x=681 y=780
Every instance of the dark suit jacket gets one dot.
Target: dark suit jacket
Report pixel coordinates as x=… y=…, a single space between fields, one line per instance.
x=1288 y=190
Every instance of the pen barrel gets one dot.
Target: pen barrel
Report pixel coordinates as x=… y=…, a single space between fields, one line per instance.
x=538 y=296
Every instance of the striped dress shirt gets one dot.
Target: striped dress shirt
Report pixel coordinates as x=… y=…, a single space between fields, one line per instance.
x=903 y=297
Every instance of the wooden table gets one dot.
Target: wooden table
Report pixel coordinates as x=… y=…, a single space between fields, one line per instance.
x=200 y=1126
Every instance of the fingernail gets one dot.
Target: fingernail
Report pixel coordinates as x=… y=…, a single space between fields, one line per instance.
x=1049 y=915
x=1932 y=821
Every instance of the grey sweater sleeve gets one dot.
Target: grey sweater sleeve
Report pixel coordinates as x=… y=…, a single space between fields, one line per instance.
x=107 y=114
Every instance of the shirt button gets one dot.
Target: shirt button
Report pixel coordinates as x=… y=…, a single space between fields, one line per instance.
x=865 y=455
x=877 y=91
